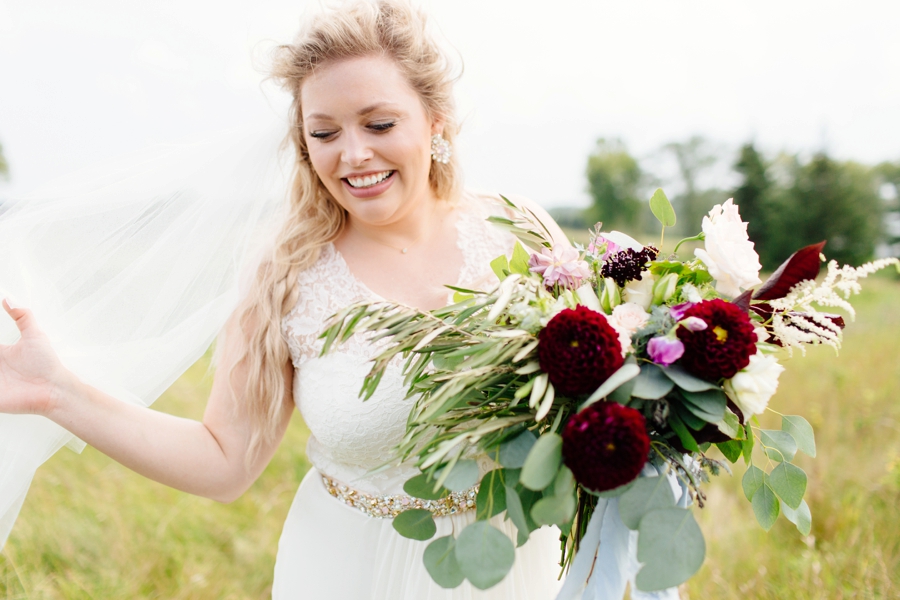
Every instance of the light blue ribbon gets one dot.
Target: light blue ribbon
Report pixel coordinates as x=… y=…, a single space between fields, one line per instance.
x=607 y=558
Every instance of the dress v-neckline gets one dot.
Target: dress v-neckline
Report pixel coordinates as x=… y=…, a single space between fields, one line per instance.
x=464 y=211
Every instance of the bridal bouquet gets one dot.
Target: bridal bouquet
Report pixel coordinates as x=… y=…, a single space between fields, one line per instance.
x=603 y=376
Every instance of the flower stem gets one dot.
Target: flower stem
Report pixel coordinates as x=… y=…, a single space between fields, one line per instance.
x=697 y=238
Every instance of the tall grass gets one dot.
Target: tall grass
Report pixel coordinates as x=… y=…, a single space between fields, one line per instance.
x=92 y=529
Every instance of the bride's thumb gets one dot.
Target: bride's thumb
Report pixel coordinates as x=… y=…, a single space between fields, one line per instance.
x=20 y=315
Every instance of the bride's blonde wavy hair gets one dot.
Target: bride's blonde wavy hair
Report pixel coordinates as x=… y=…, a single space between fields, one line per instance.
x=390 y=28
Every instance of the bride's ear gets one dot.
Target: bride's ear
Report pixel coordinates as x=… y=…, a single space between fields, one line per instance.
x=437 y=126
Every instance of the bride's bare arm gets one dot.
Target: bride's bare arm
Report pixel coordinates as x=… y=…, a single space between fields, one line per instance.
x=204 y=458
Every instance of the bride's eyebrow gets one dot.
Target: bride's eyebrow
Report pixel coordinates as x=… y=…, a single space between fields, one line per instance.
x=362 y=112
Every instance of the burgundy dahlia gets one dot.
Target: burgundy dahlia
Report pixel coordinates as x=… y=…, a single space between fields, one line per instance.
x=605 y=445
x=579 y=350
x=724 y=347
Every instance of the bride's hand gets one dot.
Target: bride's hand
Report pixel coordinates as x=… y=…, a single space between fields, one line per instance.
x=30 y=371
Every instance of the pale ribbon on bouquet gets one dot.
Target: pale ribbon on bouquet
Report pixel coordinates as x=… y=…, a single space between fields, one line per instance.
x=607 y=558
x=131 y=269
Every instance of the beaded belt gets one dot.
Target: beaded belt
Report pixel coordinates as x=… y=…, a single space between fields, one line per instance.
x=392 y=505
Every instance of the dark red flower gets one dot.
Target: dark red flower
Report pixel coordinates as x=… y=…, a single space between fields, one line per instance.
x=724 y=347
x=605 y=445
x=579 y=350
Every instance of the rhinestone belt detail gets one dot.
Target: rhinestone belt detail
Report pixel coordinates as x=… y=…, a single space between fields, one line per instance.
x=392 y=505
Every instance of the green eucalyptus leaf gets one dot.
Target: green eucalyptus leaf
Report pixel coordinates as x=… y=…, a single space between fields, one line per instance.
x=554 y=510
x=730 y=425
x=564 y=482
x=485 y=555
x=491 y=498
x=778 y=445
x=462 y=476
x=747 y=443
x=687 y=440
x=615 y=492
x=801 y=517
x=415 y=524
x=440 y=562
x=513 y=452
x=422 y=486
x=662 y=208
x=688 y=417
x=753 y=479
x=686 y=381
x=802 y=432
x=765 y=506
x=543 y=462
x=789 y=482
x=708 y=405
x=645 y=494
x=651 y=384
x=671 y=546
x=730 y=449
x=516 y=513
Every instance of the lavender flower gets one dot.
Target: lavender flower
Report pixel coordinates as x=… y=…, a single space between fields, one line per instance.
x=678 y=310
x=561 y=266
x=665 y=350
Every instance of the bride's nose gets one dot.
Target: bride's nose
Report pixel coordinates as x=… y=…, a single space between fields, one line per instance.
x=356 y=149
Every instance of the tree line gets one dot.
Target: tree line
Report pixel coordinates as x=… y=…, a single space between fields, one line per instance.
x=788 y=200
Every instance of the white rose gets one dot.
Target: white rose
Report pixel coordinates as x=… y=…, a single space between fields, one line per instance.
x=630 y=317
x=640 y=292
x=752 y=387
x=729 y=253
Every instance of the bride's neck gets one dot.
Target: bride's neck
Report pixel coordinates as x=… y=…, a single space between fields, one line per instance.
x=408 y=230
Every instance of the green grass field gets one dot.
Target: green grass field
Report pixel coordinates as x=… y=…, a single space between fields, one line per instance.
x=92 y=529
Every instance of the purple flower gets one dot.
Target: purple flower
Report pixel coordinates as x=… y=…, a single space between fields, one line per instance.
x=601 y=243
x=678 y=310
x=665 y=350
x=560 y=265
x=693 y=324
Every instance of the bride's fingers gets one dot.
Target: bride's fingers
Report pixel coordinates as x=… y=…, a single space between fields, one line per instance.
x=20 y=315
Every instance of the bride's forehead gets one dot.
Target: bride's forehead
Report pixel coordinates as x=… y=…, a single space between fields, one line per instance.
x=354 y=84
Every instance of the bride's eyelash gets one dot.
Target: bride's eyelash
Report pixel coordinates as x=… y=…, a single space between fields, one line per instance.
x=321 y=135
x=382 y=126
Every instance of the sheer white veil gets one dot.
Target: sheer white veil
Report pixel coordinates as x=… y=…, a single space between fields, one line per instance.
x=132 y=268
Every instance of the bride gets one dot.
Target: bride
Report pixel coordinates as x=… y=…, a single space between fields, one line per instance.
x=376 y=211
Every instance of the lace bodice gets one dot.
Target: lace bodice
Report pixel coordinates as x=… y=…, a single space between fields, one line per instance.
x=350 y=437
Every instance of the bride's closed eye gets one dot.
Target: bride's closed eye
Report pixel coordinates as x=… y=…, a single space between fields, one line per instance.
x=381 y=127
x=325 y=134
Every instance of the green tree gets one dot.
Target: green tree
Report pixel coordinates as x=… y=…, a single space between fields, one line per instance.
x=889 y=175
x=614 y=181
x=694 y=157
x=834 y=201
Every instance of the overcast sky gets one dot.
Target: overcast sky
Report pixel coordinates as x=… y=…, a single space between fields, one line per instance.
x=83 y=81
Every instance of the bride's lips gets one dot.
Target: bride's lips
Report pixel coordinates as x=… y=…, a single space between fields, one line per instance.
x=371 y=191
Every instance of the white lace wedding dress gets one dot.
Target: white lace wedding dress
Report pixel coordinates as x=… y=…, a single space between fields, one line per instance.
x=329 y=549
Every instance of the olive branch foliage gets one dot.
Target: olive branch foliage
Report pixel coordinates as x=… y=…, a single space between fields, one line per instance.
x=476 y=389
x=472 y=379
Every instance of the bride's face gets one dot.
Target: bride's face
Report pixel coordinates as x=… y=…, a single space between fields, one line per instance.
x=369 y=138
